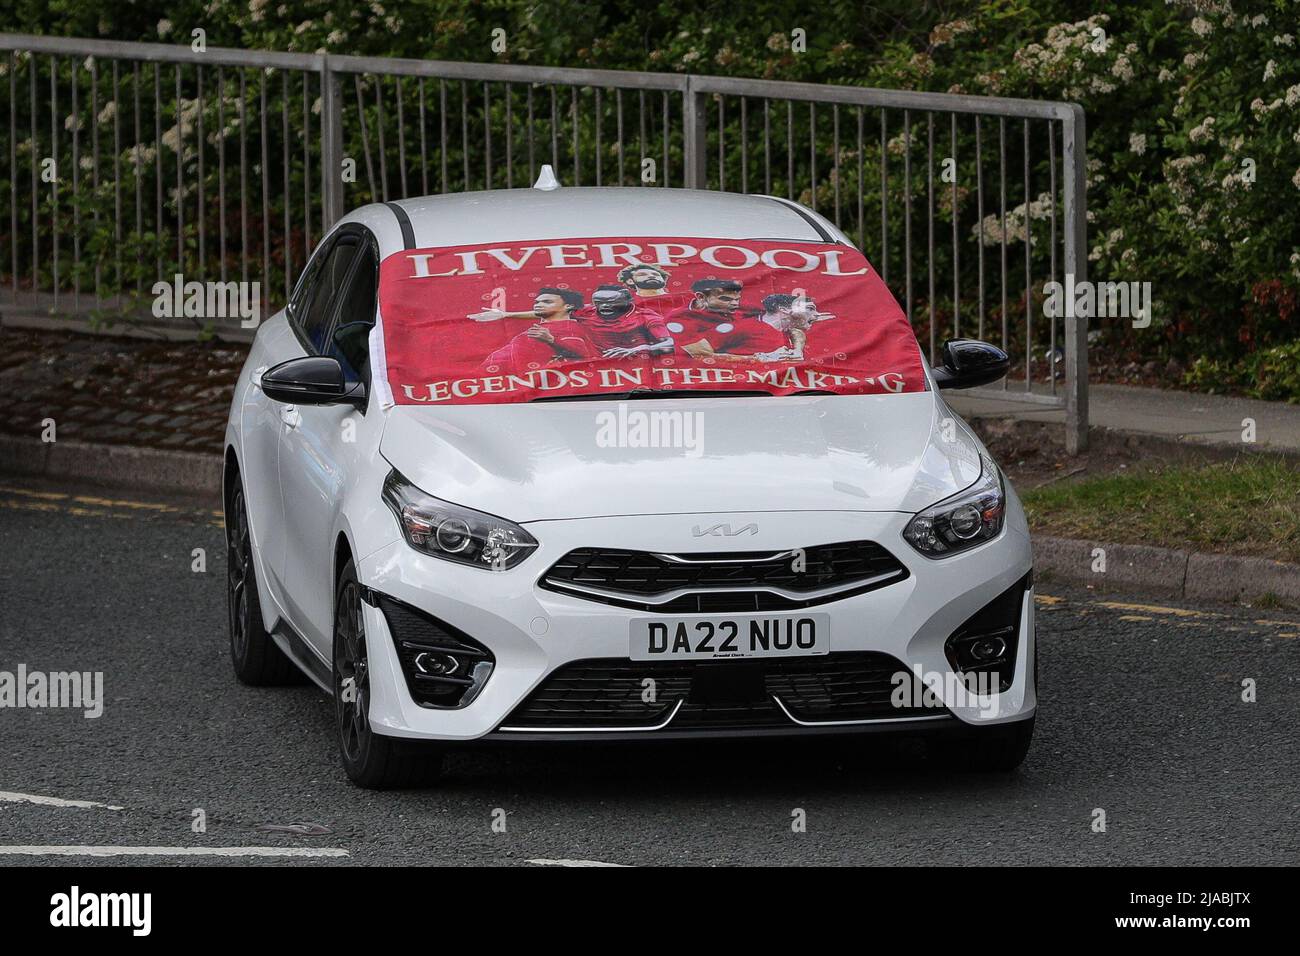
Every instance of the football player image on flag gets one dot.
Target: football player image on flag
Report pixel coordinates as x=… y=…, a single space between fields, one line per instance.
x=515 y=322
x=651 y=282
x=622 y=328
x=614 y=325
x=714 y=327
x=793 y=316
x=554 y=337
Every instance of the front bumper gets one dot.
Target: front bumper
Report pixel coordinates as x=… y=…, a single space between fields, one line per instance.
x=532 y=632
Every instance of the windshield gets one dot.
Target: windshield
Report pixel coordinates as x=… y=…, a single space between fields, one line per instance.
x=588 y=318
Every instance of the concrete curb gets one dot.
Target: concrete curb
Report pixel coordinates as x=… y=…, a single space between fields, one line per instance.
x=181 y=472
x=1162 y=572
x=1167 y=572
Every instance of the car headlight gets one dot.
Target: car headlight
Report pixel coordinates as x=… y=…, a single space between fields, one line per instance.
x=963 y=521
x=454 y=533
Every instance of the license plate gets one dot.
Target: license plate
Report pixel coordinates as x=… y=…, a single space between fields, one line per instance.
x=767 y=635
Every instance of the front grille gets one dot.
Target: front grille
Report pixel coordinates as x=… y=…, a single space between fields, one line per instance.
x=715 y=695
x=733 y=581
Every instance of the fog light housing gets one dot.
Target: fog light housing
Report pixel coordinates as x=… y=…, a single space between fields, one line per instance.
x=988 y=642
x=444 y=667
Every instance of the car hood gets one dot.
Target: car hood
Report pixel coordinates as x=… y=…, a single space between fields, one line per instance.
x=555 y=460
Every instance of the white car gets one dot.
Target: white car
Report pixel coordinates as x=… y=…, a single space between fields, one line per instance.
x=590 y=464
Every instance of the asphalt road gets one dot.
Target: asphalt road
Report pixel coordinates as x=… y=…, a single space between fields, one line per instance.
x=1142 y=718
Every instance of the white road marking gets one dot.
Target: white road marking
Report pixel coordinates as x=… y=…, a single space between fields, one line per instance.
x=9 y=797
x=170 y=851
x=572 y=863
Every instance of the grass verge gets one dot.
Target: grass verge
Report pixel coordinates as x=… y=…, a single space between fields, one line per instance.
x=1249 y=506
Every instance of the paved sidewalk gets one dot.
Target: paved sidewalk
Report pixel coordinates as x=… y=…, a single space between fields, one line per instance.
x=163 y=395
x=1188 y=416
x=109 y=390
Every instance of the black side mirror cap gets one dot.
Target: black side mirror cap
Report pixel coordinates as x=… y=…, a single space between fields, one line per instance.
x=311 y=380
x=968 y=363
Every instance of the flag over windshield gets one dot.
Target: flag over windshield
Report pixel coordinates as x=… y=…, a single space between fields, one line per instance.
x=516 y=321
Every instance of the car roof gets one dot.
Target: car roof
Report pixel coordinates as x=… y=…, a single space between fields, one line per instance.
x=510 y=215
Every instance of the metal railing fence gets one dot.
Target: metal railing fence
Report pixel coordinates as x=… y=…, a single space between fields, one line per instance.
x=130 y=163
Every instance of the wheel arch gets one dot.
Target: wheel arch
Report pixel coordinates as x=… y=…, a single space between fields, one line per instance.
x=342 y=554
x=229 y=472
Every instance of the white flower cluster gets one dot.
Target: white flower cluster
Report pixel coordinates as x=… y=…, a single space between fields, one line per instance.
x=141 y=155
x=1064 y=49
x=1235 y=179
x=944 y=32
x=1179 y=173
x=1260 y=108
x=189 y=113
x=1219 y=7
x=1040 y=209
x=1106 y=246
x=1204 y=132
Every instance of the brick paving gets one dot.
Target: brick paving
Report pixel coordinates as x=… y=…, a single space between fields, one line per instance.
x=119 y=391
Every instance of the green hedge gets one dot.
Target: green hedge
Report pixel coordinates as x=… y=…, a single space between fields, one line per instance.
x=1193 y=111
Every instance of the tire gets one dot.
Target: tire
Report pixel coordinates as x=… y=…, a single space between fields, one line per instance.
x=370 y=760
x=257 y=660
x=990 y=749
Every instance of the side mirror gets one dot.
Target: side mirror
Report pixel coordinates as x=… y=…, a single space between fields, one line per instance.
x=311 y=380
x=968 y=363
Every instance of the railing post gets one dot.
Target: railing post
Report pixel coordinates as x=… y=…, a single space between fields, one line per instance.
x=695 y=137
x=331 y=152
x=1074 y=156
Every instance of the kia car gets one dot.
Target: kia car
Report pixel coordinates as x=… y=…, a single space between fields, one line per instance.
x=616 y=464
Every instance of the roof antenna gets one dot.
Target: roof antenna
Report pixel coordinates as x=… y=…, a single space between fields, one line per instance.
x=546 y=180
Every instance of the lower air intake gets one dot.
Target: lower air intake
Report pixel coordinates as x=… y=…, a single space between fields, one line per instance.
x=715 y=695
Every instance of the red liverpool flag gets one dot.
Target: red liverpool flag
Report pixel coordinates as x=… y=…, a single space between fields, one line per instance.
x=514 y=322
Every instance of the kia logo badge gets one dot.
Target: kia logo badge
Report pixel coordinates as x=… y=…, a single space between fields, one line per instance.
x=723 y=530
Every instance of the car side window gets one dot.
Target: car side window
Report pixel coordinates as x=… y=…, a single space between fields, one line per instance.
x=350 y=340
x=314 y=320
x=306 y=284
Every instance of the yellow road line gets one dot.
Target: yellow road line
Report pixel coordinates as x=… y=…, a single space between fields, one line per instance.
x=132 y=503
x=123 y=503
x=27 y=493
x=1154 y=609
x=29 y=505
x=94 y=507
x=1187 y=617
